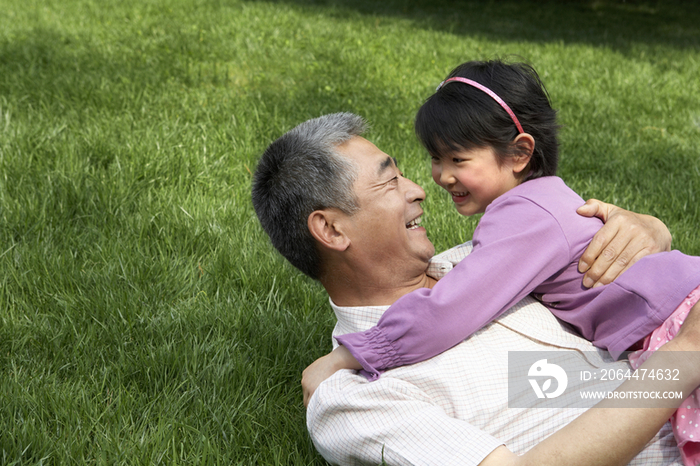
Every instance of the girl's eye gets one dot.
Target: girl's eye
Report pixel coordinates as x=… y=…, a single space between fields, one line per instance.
x=456 y=160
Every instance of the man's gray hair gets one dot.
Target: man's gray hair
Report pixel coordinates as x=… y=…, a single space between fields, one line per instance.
x=299 y=173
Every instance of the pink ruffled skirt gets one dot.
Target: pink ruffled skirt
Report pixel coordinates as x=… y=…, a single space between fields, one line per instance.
x=686 y=419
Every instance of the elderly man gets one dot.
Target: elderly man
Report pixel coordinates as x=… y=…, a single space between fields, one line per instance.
x=340 y=211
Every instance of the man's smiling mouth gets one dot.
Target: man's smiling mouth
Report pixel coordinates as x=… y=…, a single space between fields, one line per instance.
x=413 y=224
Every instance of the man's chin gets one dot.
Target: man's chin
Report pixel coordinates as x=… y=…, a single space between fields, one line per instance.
x=425 y=251
x=429 y=253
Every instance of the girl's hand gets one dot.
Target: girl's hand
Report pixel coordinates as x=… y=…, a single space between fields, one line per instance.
x=625 y=238
x=324 y=367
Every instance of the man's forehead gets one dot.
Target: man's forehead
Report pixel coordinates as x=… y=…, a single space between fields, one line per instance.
x=368 y=157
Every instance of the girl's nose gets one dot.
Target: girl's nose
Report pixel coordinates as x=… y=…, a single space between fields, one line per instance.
x=446 y=177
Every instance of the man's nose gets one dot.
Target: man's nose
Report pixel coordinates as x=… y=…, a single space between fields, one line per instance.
x=414 y=193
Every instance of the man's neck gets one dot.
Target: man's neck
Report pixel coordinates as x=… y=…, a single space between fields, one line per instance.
x=347 y=291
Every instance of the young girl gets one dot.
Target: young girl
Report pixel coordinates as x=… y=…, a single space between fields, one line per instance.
x=492 y=136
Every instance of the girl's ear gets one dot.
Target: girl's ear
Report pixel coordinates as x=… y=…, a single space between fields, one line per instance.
x=526 y=146
x=326 y=228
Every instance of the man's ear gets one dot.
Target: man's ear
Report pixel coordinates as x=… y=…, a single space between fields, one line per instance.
x=526 y=146
x=327 y=230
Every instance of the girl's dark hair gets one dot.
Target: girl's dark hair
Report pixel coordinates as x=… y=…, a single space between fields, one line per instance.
x=461 y=117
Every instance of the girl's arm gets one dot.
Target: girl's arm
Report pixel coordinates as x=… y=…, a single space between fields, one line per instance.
x=324 y=367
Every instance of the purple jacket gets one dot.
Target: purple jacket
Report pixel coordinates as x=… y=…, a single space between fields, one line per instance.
x=528 y=241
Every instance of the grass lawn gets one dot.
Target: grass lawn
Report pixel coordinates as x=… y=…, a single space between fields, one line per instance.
x=144 y=318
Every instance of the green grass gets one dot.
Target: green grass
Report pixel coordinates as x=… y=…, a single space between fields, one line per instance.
x=144 y=318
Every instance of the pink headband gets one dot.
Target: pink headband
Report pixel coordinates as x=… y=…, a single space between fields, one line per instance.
x=493 y=95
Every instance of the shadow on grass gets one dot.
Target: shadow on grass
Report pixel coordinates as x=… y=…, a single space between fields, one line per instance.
x=56 y=69
x=612 y=24
x=44 y=63
x=46 y=68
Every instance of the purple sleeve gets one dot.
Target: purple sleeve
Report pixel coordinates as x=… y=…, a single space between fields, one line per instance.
x=517 y=246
